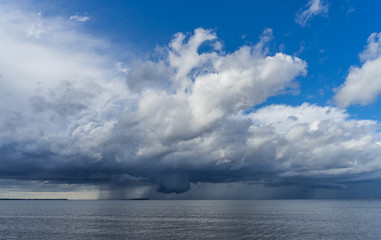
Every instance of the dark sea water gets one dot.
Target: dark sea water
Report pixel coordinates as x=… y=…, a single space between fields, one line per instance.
x=269 y=219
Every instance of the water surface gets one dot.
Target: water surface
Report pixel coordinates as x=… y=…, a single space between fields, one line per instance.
x=189 y=219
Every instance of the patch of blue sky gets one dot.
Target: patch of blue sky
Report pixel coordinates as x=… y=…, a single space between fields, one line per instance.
x=329 y=43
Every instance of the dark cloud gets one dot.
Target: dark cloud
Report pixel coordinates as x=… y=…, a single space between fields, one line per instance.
x=64 y=99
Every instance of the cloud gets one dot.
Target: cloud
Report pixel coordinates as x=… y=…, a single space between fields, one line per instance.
x=363 y=84
x=80 y=18
x=373 y=49
x=71 y=115
x=317 y=142
x=311 y=9
x=283 y=117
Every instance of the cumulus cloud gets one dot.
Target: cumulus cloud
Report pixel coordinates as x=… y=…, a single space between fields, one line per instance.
x=283 y=117
x=319 y=142
x=363 y=84
x=311 y=9
x=71 y=115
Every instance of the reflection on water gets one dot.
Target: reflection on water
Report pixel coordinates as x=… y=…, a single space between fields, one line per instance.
x=209 y=219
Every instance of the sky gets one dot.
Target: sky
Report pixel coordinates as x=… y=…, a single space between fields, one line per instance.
x=178 y=100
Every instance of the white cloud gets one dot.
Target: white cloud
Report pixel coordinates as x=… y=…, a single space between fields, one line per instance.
x=80 y=18
x=72 y=115
x=314 y=141
x=373 y=49
x=363 y=84
x=283 y=117
x=209 y=86
x=311 y=9
x=50 y=80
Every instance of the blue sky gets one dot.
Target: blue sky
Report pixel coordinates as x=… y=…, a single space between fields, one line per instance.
x=172 y=99
x=330 y=42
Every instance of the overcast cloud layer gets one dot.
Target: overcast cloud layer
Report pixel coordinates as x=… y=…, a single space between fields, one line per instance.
x=70 y=114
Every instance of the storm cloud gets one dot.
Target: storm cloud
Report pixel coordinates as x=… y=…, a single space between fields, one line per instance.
x=71 y=115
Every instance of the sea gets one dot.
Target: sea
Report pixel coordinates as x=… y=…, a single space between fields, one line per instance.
x=190 y=219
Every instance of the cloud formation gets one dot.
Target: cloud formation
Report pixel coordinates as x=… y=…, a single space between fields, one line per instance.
x=72 y=115
x=363 y=84
x=311 y=9
x=79 y=18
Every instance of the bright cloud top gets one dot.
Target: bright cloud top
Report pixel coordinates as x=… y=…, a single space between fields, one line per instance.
x=73 y=115
x=363 y=84
x=311 y=9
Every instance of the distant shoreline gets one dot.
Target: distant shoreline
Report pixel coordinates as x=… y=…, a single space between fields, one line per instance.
x=2 y=199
